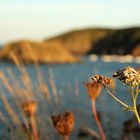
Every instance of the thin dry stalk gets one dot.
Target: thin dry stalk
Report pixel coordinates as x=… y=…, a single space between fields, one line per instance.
x=30 y=49
x=12 y=76
x=43 y=86
x=29 y=109
x=3 y=118
x=13 y=91
x=15 y=59
x=97 y=120
x=45 y=90
x=16 y=86
x=21 y=93
x=91 y=132
x=52 y=82
x=66 y=137
x=25 y=78
x=17 y=92
x=24 y=74
x=10 y=111
x=34 y=127
x=60 y=97
x=77 y=87
x=6 y=83
x=53 y=87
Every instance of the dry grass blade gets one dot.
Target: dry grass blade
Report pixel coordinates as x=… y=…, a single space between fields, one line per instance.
x=24 y=74
x=52 y=83
x=16 y=85
x=25 y=78
x=91 y=132
x=43 y=87
x=45 y=90
x=17 y=91
x=77 y=87
x=6 y=83
x=53 y=86
x=15 y=59
x=10 y=111
x=29 y=109
x=3 y=118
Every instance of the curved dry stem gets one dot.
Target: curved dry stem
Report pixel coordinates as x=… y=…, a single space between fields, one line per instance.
x=118 y=100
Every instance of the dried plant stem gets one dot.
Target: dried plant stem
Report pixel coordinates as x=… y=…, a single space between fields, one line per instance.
x=136 y=113
x=134 y=97
x=30 y=137
x=66 y=137
x=10 y=110
x=97 y=120
x=135 y=103
x=33 y=127
x=115 y=97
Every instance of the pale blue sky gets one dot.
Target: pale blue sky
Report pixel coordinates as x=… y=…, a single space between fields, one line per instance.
x=38 y=19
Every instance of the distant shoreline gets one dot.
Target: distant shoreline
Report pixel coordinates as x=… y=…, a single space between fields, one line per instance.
x=66 y=48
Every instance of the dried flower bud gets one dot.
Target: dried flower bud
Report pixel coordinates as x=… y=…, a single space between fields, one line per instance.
x=128 y=75
x=29 y=108
x=93 y=89
x=101 y=79
x=64 y=123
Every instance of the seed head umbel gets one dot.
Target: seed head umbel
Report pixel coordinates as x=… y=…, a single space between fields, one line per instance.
x=128 y=75
x=93 y=89
x=64 y=123
x=101 y=79
x=29 y=108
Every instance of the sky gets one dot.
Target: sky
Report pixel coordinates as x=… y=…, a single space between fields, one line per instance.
x=39 y=19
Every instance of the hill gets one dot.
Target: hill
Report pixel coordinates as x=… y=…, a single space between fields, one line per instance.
x=100 y=41
x=31 y=52
x=67 y=47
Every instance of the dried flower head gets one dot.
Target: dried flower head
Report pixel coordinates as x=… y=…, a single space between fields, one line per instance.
x=93 y=89
x=29 y=108
x=128 y=75
x=64 y=123
x=101 y=79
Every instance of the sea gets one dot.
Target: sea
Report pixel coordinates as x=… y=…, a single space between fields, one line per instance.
x=68 y=94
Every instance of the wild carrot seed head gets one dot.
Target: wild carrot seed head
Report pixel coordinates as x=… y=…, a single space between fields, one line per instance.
x=128 y=75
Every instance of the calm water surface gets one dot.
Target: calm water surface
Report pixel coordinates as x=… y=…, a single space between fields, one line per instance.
x=72 y=96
